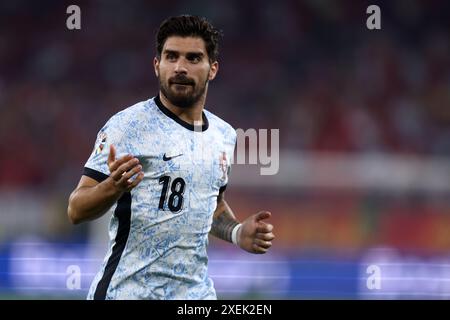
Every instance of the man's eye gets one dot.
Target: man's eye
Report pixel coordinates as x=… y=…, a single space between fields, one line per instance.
x=170 y=56
x=194 y=59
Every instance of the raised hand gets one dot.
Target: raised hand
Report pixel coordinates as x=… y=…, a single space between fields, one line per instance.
x=121 y=171
x=255 y=235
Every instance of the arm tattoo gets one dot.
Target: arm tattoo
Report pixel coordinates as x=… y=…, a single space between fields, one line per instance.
x=223 y=224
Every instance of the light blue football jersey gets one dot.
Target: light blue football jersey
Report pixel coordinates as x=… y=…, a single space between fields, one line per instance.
x=159 y=231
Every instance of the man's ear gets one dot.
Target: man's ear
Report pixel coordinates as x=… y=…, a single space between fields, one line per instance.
x=213 y=70
x=156 y=66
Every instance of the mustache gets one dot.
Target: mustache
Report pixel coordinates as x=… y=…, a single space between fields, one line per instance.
x=181 y=79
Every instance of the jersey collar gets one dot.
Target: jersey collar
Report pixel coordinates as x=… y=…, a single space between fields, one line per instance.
x=172 y=115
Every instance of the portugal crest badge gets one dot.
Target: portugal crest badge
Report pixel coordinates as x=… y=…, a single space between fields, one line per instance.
x=223 y=164
x=101 y=141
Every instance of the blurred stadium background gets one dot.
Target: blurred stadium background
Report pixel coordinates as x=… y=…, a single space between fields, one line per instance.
x=364 y=119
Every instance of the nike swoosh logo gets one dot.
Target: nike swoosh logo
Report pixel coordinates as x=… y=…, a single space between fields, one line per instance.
x=170 y=158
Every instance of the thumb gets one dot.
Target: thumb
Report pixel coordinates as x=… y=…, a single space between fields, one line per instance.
x=112 y=154
x=262 y=215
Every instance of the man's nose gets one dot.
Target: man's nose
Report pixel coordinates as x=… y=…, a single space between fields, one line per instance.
x=180 y=66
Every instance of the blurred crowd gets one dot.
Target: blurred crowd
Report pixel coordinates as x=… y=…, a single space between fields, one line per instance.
x=310 y=68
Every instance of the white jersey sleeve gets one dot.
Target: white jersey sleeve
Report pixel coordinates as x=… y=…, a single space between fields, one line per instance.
x=112 y=133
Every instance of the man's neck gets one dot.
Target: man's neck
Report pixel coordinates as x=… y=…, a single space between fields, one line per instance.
x=192 y=115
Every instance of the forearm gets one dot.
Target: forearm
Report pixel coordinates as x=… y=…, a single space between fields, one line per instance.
x=88 y=203
x=224 y=221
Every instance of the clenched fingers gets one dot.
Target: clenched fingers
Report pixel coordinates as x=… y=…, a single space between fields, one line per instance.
x=265 y=236
x=264 y=228
x=262 y=243
x=258 y=249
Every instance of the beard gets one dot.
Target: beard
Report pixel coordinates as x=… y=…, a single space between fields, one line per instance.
x=182 y=91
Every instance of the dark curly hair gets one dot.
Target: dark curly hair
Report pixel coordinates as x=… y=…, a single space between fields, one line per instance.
x=190 y=26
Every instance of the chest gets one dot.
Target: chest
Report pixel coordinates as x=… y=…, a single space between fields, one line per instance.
x=199 y=159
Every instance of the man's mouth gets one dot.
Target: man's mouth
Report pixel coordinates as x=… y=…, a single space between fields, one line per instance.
x=182 y=83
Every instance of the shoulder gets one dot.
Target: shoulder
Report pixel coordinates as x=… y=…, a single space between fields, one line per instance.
x=221 y=125
x=129 y=122
x=132 y=114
